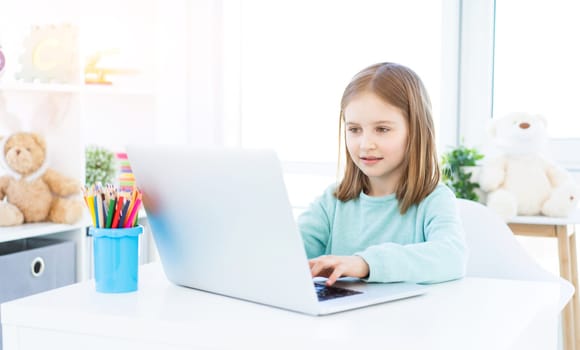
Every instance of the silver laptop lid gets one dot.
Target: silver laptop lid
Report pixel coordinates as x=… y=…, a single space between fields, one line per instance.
x=223 y=223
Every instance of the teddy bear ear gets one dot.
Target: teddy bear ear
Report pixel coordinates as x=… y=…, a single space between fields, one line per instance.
x=543 y=119
x=491 y=127
x=48 y=113
x=9 y=122
x=39 y=139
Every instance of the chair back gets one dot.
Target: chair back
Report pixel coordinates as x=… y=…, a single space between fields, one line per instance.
x=495 y=252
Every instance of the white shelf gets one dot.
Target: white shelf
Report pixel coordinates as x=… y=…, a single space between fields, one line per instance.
x=572 y=219
x=37 y=229
x=115 y=90
x=38 y=87
x=71 y=88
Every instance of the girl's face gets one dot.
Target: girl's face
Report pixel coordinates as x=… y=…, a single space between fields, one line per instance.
x=376 y=139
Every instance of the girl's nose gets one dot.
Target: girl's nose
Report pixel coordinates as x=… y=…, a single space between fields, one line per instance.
x=367 y=142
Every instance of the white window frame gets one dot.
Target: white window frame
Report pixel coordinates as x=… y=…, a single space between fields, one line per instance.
x=475 y=95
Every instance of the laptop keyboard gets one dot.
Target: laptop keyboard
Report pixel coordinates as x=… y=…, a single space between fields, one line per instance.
x=327 y=293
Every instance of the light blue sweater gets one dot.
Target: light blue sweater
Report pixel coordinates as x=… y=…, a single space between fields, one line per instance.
x=425 y=245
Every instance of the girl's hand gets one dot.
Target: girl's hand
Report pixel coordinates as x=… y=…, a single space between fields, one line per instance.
x=334 y=266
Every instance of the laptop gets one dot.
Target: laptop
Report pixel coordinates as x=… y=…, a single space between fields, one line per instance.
x=222 y=223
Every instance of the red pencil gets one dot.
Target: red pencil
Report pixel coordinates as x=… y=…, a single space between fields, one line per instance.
x=118 y=209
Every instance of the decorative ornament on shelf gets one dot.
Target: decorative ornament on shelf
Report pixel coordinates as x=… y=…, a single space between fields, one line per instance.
x=45 y=115
x=96 y=74
x=99 y=165
x=50 y=54
x=459 y=167
x=33 y=191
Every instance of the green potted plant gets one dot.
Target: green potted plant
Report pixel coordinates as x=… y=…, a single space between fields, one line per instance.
x=458 y=166
x=99 y=165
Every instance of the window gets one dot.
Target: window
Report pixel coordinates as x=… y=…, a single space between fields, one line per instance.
x=297 y=57
x=536 y=67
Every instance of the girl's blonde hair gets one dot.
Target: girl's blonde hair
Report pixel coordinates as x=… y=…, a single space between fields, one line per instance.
x=398 y=86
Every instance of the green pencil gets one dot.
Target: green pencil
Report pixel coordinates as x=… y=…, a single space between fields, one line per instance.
x=111 y=211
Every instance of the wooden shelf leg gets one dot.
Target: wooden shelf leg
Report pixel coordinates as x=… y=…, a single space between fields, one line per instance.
x=575 y=299
x=564 y=257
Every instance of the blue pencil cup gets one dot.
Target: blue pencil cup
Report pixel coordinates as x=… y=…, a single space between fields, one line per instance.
x=116 y=258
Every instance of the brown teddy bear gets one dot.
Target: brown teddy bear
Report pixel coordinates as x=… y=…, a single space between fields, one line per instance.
x=34 y=192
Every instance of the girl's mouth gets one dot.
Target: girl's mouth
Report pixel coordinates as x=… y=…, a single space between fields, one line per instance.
x=370 y=160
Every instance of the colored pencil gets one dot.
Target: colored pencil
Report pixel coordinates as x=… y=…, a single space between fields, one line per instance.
x=110 y=208
x=117 y=214
x=91 y=205
x=111 y=212
x=131 y=219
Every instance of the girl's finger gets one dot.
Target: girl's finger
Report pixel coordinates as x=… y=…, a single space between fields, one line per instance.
x=334 y=276
x=316 y=268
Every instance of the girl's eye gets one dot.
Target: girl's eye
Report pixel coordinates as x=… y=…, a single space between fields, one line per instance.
x=353 y=130
x=383 y=129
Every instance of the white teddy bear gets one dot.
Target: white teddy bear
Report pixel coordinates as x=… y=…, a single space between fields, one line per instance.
x=520 y=181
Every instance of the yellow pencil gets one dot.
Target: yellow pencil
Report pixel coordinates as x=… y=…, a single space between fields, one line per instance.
x=131 y=204
x=91 y=205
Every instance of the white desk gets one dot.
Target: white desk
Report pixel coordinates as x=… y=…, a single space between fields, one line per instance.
x=472 y=313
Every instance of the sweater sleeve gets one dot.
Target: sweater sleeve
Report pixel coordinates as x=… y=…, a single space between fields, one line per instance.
x=441 y=257
x=315 y=225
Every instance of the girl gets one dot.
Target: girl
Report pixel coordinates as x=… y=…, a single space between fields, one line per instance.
x=389 y=219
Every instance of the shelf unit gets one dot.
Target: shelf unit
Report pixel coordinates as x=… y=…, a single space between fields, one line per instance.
x=83 y=114
x=124 y=32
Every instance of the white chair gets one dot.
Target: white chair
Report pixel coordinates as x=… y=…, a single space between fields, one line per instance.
x=494 y=252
